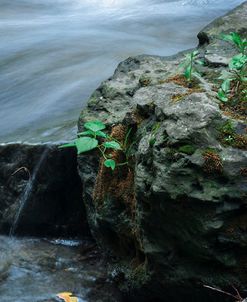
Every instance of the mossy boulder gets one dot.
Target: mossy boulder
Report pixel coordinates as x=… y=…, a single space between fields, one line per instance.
x=175 y=219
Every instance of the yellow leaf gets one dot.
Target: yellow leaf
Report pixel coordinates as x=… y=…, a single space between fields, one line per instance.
x=66 y=297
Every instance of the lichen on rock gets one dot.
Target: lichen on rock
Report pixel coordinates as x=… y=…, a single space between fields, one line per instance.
x=189 y=187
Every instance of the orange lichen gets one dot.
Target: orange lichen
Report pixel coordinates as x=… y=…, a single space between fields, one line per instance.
x=230 y=112
x=119 y=183
x=180 y=80
x=240 y=141
x=212 y=162
x=177 y=79
x=178 y=97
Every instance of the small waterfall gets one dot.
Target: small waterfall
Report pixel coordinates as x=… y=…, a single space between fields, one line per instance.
x=27 y=192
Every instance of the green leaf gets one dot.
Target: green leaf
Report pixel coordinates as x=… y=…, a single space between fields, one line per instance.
x=72 y=144
x=88 y=132
x=127 y=137
x=94 y=126
x=152 y=141
x=196 y=74
x=110 y=163
x=225 y=86
x=84 y=144
x=222 y=96
x=101 y=134
x=187 y=73
x=194 y=53
x=200 y=62
x=234 y=38
x=238 y=61
x=112 y=145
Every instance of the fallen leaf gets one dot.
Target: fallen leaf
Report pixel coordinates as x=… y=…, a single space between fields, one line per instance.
x=66 y=297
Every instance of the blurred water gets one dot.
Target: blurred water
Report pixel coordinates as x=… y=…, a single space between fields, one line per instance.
x=54 y=53
x=35 y=270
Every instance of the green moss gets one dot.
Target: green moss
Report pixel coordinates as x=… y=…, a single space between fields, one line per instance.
x=187 y=149
x=229 y=137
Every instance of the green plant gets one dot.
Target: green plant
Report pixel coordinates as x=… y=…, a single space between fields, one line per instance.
x=92 y=138
x=229 y=137
x=154 y=130
x=234 y=85
x=241 y=44
x=189 y=65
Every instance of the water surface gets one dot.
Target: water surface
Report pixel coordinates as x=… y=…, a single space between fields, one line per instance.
x=36 y=270
x=54 y=53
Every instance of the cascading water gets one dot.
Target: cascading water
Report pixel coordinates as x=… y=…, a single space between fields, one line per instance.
x=28 y=191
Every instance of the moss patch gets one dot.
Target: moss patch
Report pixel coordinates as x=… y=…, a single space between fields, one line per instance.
x=229 y=137
x=187 y=149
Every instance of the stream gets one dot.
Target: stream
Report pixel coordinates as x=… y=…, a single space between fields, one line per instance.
x=35 y=270
x=54 y=53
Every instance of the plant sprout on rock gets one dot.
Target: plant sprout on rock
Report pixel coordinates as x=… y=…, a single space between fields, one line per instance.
x=91 y=139
x=234 y=85
x=189 y=65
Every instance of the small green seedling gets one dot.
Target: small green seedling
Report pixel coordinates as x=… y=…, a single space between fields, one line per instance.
x=189 y=65
x=235 y=38
x=235 y=79
x=154 y=130
x=91 y=139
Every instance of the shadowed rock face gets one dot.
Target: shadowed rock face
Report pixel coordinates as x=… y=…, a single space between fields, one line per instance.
x=187 y=223
x=53 y=204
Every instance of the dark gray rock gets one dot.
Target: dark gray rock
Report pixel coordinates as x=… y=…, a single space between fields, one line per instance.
x=183 y=223
x=53 y=204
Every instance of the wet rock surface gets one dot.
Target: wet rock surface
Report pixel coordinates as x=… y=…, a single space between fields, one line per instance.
x=183 y=223
x=44 y=180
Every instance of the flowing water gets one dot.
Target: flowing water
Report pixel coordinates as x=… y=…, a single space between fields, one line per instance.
x=28 y=190
x=54 y=53
x=35 y=270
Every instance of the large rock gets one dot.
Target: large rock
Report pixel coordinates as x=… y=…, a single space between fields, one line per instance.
x=176 y=218
x=42 y=181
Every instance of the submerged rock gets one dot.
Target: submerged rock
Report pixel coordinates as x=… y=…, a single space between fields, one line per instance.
x=176 y=218
x=42 y=181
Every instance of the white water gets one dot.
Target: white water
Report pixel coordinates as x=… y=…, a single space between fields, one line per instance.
x=54 y=53
x=27 y=191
